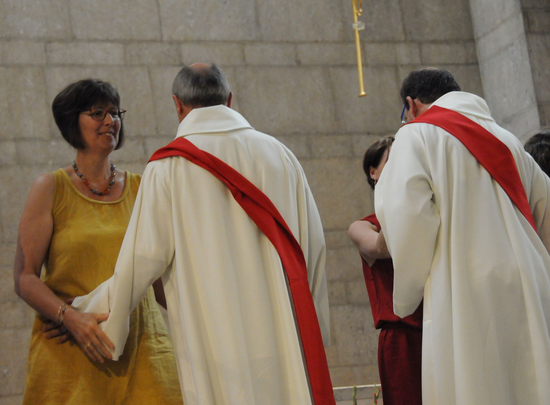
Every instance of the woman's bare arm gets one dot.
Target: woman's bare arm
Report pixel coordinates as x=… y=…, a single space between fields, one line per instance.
x=35 y=234
x=370 y=243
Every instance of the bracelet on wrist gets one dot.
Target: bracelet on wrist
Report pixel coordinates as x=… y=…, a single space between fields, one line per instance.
x=61 y=313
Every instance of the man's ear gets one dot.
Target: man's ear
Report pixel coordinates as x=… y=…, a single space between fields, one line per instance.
x=179 y=105
x=229 y=99
x=412 y=106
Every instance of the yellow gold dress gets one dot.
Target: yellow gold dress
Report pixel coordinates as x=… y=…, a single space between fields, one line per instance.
x=86 y=239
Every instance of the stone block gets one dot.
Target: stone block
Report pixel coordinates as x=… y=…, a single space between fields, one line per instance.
x=35 y=152
x=12 y=313
x=332 y=355
x=132 y=151
x=383 y=20
x=7 y=288
x=489 y=15
x=327 y=54
x=309 y=20
x=378 y=112
x=7 y=253
x=12 y=200
x=538 y=21
x=349 y=376
x=503 y=36
x=119 y=20
x=85 y=53
x=539 y=55
x=337 y=293
x=8 y=156
x=468 y=77
x=507 y=81
x=164 y=108
x=152 y=53
x=270 y=54
x=343 y=264
x=23 y=108
x=387 y=53
x=222 y=54
x=283 y=101
x=356 y=338
x=157 y=142
x=525 y=4
x=22 y=53
x=298 y=144
x=11 y=400
x=544 y=112
x=29 y=19
x=339 y=190
x=523 y=123
x=13 y=360
x=337 y=239
x=444 y=20
x=407 y=53
x=446 y=53
x=188 y=20
x=331 y=146
x=132 y=83
x=357 y=292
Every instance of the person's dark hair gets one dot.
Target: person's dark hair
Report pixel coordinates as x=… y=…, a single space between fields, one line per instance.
x=373 y=156
x=427 y=85
x=204 y=87
x=78 y=97
x=538 y=146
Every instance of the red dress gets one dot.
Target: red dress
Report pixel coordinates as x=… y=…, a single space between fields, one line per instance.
x=400 y=341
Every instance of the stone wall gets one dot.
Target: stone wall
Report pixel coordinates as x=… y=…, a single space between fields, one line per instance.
x=292 y=67
x=536 y=17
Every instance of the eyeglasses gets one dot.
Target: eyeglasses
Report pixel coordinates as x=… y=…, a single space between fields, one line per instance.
x=403 y=122
x=99 y=114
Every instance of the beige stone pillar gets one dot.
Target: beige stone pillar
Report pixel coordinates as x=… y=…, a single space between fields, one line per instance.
x=505 y=65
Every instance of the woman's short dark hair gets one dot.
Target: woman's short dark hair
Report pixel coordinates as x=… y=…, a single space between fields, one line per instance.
x=78 y=97
x=373 y=156
x=538 y=146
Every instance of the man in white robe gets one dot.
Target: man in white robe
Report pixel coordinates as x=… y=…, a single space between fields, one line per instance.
x=459 y=242
x=230 y=312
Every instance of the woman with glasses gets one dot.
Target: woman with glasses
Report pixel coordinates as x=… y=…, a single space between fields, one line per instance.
x=73 y=225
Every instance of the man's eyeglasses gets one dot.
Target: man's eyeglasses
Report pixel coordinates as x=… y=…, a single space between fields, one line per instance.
x=99 y=114
x=403 y=122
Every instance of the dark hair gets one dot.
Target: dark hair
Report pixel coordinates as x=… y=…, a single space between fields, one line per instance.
x=373 y=156
x=427 y=85
x=201 y=87
x=538 y=146
x=78 y=97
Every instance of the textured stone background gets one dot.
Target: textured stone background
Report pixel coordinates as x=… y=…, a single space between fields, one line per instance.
x=292 y=67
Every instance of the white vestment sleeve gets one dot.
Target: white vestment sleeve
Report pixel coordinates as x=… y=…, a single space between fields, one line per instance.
x=405 y=206
x=146 y=252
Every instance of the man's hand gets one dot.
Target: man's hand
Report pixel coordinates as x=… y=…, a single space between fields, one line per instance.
x=85 y=329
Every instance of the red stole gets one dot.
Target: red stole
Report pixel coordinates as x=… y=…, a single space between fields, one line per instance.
x=262 y=211
x=489 y=151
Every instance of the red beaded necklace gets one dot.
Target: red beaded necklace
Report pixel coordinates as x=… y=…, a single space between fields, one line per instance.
x=107 y=191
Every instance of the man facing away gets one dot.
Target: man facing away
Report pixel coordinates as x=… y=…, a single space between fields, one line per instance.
x=470 y=236
x=236 y=314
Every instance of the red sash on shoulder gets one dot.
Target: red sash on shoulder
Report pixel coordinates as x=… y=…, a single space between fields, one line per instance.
x=489 y=151
x=262 y=211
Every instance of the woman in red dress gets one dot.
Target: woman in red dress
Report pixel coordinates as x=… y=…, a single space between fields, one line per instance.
x=400 y=340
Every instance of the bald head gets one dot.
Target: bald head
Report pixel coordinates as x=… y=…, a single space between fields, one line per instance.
x=201 y=85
